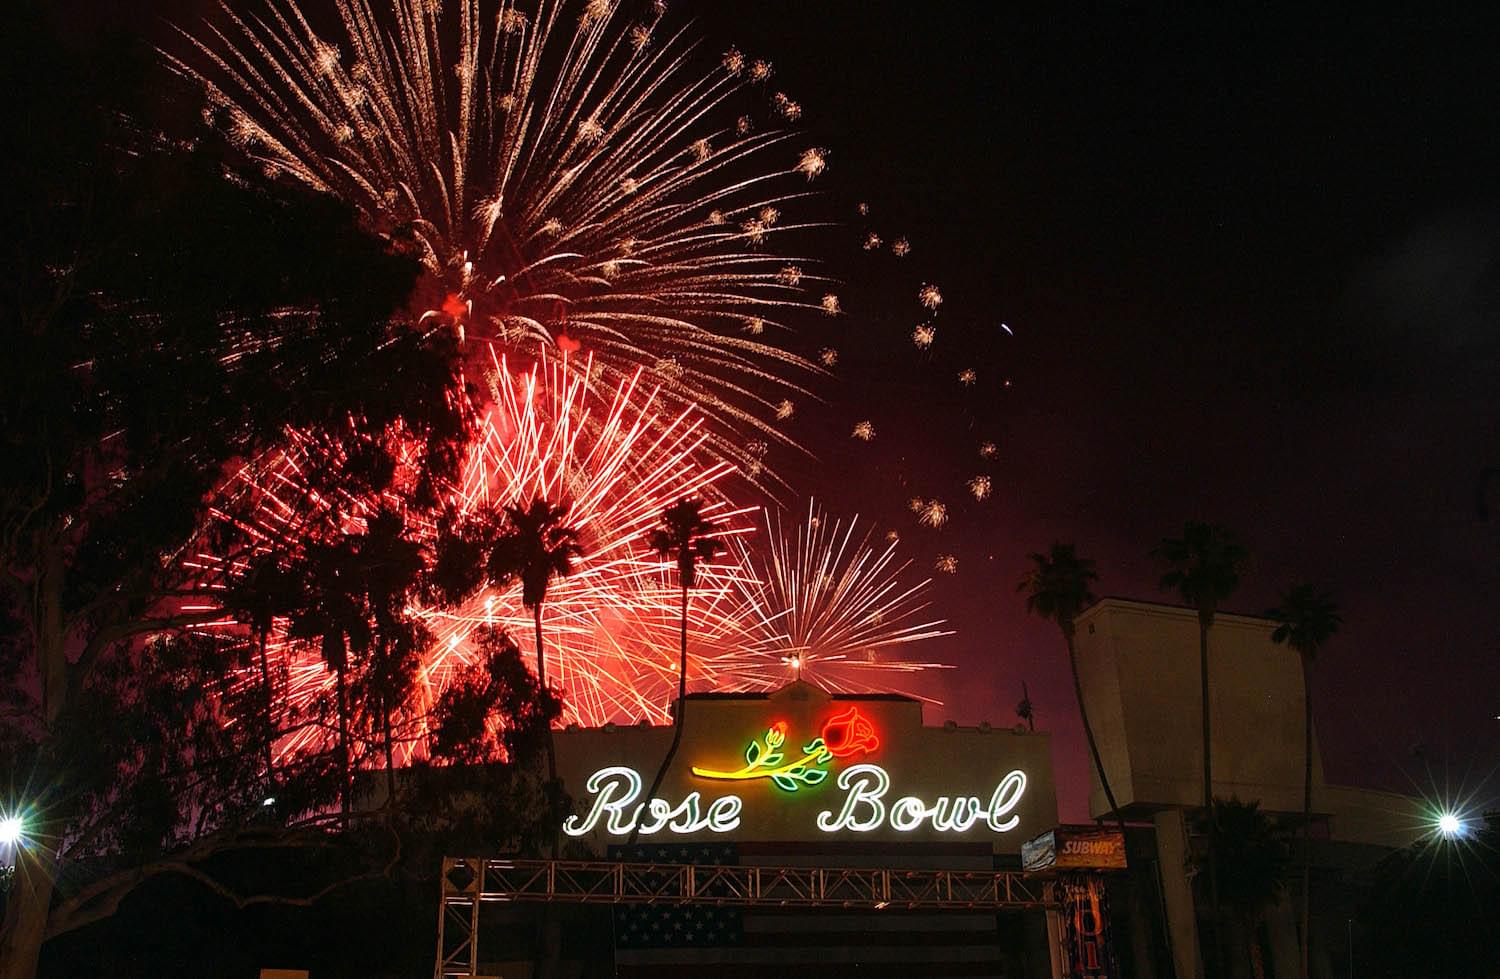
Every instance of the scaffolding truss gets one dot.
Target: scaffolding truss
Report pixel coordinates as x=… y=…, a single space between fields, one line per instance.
x=470 y=883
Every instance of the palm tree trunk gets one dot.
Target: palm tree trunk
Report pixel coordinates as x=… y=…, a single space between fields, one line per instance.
x=1306 y=816
x=343 y=743
x=541 y=675
x=265 y=682
x=677 y=721
x=1208 y=764
x=1208 y=795
x=1088 y=732
x=682 y=663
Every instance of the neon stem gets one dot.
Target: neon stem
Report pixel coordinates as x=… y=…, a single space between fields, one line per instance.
x=752 y=771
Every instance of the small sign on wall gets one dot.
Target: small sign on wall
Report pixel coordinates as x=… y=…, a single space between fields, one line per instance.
x=1069 y=848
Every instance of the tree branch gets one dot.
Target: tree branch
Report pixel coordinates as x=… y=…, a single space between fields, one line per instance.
x=102 y=899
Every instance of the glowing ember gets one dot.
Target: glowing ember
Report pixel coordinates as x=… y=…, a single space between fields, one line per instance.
x=934 y=514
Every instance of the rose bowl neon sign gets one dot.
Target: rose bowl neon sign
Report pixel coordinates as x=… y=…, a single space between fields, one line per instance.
x=616 y=808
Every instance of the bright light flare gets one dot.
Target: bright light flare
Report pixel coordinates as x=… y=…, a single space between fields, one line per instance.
x=1450 y=825
x=12 y=829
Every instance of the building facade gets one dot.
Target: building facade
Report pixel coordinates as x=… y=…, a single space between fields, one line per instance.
x=804 y=778
x=1139 y=667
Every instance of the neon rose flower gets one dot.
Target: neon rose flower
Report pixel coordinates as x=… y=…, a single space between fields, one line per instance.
x=844 y=736
x=849 y=734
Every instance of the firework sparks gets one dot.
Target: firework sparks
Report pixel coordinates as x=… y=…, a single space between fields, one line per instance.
x=864 y=431
x=610 y=625
x=828 y=357
x=988 y=450
x=923 y=336
x=946 y=563
x=872 y=241
x=968 y=376
x=934 y=514
x=980 y=487
x=901 y=247
x=813 y=162
x=835 y=602
x=514 y=155
x=831 y=305
x=930 y=296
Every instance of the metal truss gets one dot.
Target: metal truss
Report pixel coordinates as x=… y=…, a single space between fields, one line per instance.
x=469 y=883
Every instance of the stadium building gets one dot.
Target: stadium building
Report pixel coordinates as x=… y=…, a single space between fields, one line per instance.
x=802 y=833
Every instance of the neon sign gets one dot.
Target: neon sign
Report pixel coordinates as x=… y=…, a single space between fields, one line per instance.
x=863 y=808
x=615 y=806
x=614 y=789
x=844 y=735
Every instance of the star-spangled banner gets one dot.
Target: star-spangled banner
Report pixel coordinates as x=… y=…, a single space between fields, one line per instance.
x=668 y=926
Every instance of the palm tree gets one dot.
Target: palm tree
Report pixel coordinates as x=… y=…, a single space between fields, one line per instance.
x=1308 y=618
x=686 y=537
x=1204 y=568
x=1253 y=857
x=536 y=546
x=393 y=567
x=1057 y=589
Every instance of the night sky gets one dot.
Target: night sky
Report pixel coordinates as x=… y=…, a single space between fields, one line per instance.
x=1250 y=263
x=1250 y=266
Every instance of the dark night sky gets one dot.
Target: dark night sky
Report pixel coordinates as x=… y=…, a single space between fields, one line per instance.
x=1251 y=265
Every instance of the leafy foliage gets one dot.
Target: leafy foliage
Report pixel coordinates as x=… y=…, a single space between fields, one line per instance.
x=164 y=327
x=1058 y=587
x=1204 y=565
x=1307 y=618
x=686 y=536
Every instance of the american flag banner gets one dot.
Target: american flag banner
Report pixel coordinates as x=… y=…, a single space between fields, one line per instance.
x=658 y=942
x=649 y=926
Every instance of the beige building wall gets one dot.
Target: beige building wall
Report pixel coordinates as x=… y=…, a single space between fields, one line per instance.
x=1139 y=663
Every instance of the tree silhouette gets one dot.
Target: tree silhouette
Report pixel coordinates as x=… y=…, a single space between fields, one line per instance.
x=535 y=546
x=1308 y=617
x=1252 y=858
x=1057 y=589
x=685 y=537
x=1204 y=568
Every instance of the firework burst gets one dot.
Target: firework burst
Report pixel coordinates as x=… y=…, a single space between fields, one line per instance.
x=566 y=177
x=610 y=626
x=833 y=605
